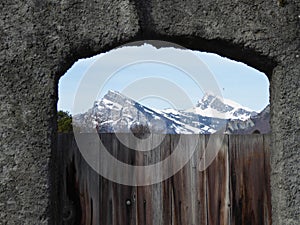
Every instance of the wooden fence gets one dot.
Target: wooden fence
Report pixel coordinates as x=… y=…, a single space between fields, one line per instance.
x=234 y=189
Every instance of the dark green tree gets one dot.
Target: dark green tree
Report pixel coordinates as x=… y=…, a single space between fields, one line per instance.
x=64 y=122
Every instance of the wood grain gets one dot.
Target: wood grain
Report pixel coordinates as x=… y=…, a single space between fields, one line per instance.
x=234 y=189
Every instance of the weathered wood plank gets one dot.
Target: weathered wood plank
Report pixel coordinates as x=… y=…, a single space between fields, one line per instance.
x=180 y=193
x=218 y=183
x=248 y=180
x=144 y=193
x=124 y=196
x=201 y=185
x=267 y=186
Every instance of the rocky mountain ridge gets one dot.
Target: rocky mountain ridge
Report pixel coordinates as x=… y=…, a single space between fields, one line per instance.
x=118 y=113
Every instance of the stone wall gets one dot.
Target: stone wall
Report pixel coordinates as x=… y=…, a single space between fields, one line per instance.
x=40 y=40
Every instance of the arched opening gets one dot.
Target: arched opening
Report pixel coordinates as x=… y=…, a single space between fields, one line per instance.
x=108 y=96
x=245 y=87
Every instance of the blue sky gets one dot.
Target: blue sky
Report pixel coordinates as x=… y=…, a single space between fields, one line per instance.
x=236 y=81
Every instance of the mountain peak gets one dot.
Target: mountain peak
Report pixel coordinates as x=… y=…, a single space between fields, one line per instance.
x=115 y=97
x=212 y=105
x=113 y=94
x=211 y=97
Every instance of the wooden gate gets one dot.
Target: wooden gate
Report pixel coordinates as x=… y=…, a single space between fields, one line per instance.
x=234 y=189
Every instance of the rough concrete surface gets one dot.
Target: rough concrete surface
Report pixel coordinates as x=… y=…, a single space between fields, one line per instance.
x=41 y=39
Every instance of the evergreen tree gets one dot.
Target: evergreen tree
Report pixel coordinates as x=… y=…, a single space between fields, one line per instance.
x=64 y=122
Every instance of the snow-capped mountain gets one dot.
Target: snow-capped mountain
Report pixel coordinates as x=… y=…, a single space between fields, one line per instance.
x=118 y=113
x=217 y=107
x=259 y=124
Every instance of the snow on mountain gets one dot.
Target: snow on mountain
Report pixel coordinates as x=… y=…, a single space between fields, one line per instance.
x=118 y=113
x=259 y=124
x=217 y=107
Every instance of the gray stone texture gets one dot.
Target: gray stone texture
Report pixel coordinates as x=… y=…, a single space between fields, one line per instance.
x=41 y=39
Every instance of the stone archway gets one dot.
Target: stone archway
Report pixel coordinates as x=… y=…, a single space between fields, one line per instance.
x=41 y=39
